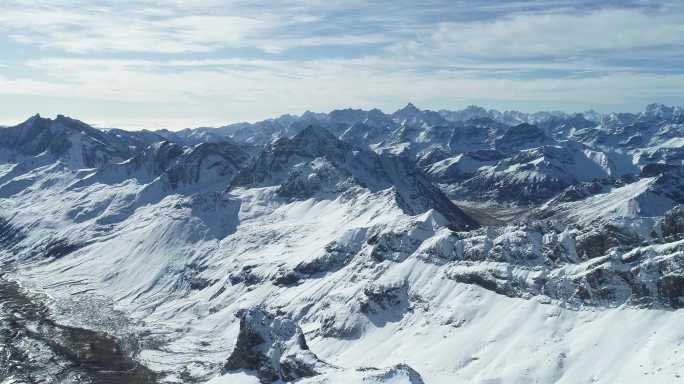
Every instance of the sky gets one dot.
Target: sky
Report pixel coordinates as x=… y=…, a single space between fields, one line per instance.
x=187 y=63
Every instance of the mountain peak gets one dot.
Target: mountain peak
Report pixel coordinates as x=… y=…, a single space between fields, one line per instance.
x=71 y=122
x=35 y=119
x=309 y=115
x=313 y=140
x=659 y=110
x=474 y=108
x=409 y=108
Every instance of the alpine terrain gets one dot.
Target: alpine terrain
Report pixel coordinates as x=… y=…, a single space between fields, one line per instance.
x=469 y=246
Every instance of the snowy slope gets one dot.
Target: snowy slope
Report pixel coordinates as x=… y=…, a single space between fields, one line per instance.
x=322 y=260
x=281 y=256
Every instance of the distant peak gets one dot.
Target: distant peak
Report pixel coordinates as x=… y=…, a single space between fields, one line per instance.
x=654 y=107
x=313 y=139
x=410 y=107
x=473 y=108
x=311 y=115
x=72 y=123
x=59 y=119
x=659 y=110
x=36 y=119
x=62 y=119
x=408 y=110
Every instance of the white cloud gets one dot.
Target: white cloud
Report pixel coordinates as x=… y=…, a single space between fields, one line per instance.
x=188 y=67
x=556 y=34
x=107 y=30
x=191 y=27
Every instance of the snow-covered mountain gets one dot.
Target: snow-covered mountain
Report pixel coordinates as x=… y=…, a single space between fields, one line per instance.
x=316 y=164
x=351 y=246
x=71 y=141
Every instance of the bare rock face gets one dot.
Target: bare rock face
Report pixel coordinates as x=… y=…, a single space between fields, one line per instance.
x=400 y=372
x=671 y=289
x=273 y=347
x=673 y=223
x=379 y=298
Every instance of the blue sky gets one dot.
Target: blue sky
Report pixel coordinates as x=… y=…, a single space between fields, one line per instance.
x=175 y=64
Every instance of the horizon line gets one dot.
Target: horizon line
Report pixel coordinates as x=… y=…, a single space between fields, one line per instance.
x=216 y=124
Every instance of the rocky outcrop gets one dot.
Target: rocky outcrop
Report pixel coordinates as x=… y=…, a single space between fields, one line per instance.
x=604 y=267
x=273 y=348
x=672 y=224
x=379 y=298
x=400 y=372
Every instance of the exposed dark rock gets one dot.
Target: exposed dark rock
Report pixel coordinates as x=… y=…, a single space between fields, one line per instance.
x=286 y=278
x=246 y=275
x=650 y=170
x=340 y=329
x=637 y=278
x=393 y=246
x=378 y=298
x=335 y=257
x=597 y=241
x=56 y=248
x=273 y=347
x=672 y=224
x=579 y=191
x=394 y=373
x=504 y=281
x=671 y=288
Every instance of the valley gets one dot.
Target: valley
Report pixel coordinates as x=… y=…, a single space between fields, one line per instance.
x=36 y=349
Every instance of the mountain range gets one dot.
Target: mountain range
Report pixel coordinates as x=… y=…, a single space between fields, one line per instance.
x=352 y=246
